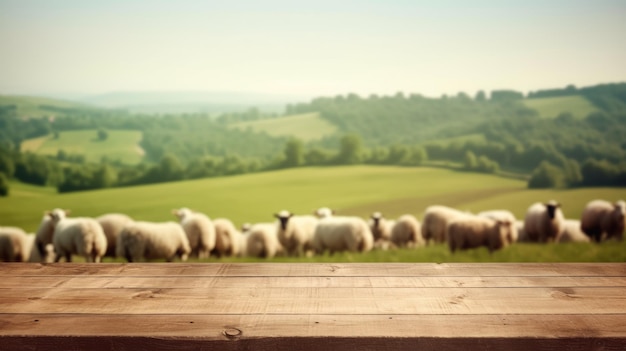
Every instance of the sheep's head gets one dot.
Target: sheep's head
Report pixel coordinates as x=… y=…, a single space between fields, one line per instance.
x=283 y=216
x=324 y=212
x=376 y=217
x=57 y=215
x=181 y=213
x=552 y=206
x=505 y=230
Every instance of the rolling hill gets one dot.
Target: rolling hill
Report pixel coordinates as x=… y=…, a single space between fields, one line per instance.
x=550 y=107
x=306 y=126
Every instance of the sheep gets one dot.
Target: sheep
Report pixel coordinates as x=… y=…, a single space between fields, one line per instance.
x=80 y=236
x=324 y=212
x=602 y=220
x=473 y=231
x=141 y=241
x=199 y=230
x=295 y=233
x=227 y=238
x=436 y=219
x=342 y=233
x=543 y=222
x=522 y=237
x=572 y=233
x=380 y=227
x=15 y=245
x=407 y=232
x=261 y=241
x=43 y=235
x=503 y=215
x=112 y=224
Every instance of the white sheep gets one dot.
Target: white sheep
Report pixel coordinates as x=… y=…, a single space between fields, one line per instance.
x=112 y=225
x=572 y=233
x=261 y=241
x=43 y=236
x=342 y=233
x=435 y=222
x=141 y=241
x=503 y=215
x=543 y=222
x=227 y=238
x=522 y=237
x=380 y=226
x=15 y=245
x=295 y=233
x=199 y=229
x=77 y=236
x=407 y=232
x=602 y=220
x=470 y=232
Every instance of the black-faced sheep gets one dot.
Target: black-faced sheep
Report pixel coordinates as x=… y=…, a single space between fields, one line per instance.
x=543 y=222
x=295 y=233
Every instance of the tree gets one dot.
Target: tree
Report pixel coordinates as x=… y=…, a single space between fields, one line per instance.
x=170 y=168
x=294 y=153
x=102 y=134
x=546 y=175
x=317 y=157
x=480 y=96
x=470 y=162
x=4 y=185
x=350 y=150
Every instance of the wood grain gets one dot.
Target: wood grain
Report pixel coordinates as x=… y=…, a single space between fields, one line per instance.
x=313 y=306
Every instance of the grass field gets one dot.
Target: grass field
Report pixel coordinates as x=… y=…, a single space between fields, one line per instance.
x=29 y=106
x=120 y=145
x=577 y=105
x=308 y=126
x=356 y=190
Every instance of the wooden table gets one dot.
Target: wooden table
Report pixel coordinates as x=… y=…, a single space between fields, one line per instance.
x=274 y=307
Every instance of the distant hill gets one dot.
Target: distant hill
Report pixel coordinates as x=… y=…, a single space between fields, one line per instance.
x=191 y=101
x=37 y=107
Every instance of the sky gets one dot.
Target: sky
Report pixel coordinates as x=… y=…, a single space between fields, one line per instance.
x=309 y=48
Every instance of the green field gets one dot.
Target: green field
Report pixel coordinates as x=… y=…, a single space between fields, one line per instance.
x=29 y=106
x=308 y=126
x=352 y=190
x=120 y=145
x=551 y=107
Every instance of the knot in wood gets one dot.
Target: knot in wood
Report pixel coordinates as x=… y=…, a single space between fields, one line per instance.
x=232 y=333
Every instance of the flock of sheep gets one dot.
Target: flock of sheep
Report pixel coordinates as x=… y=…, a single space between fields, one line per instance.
x=196 y=235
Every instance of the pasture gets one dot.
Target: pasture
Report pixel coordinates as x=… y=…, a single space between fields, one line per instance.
x=122 y=145
x=551 y=107
x=31 y=106
x=351 y=190
x=307 y=126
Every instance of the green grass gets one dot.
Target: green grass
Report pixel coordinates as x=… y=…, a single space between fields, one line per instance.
x=551 y=107
x=29 y=106
x=308 y=126
x=120 y=145
x=352 y=190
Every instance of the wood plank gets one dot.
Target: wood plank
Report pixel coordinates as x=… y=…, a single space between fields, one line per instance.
x=323 y=332
x=189 y=282
x=270 y=300
x=318 y=269
x=254 y=326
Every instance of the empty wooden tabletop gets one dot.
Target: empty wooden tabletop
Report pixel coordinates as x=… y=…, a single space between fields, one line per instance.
x=266 y=306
